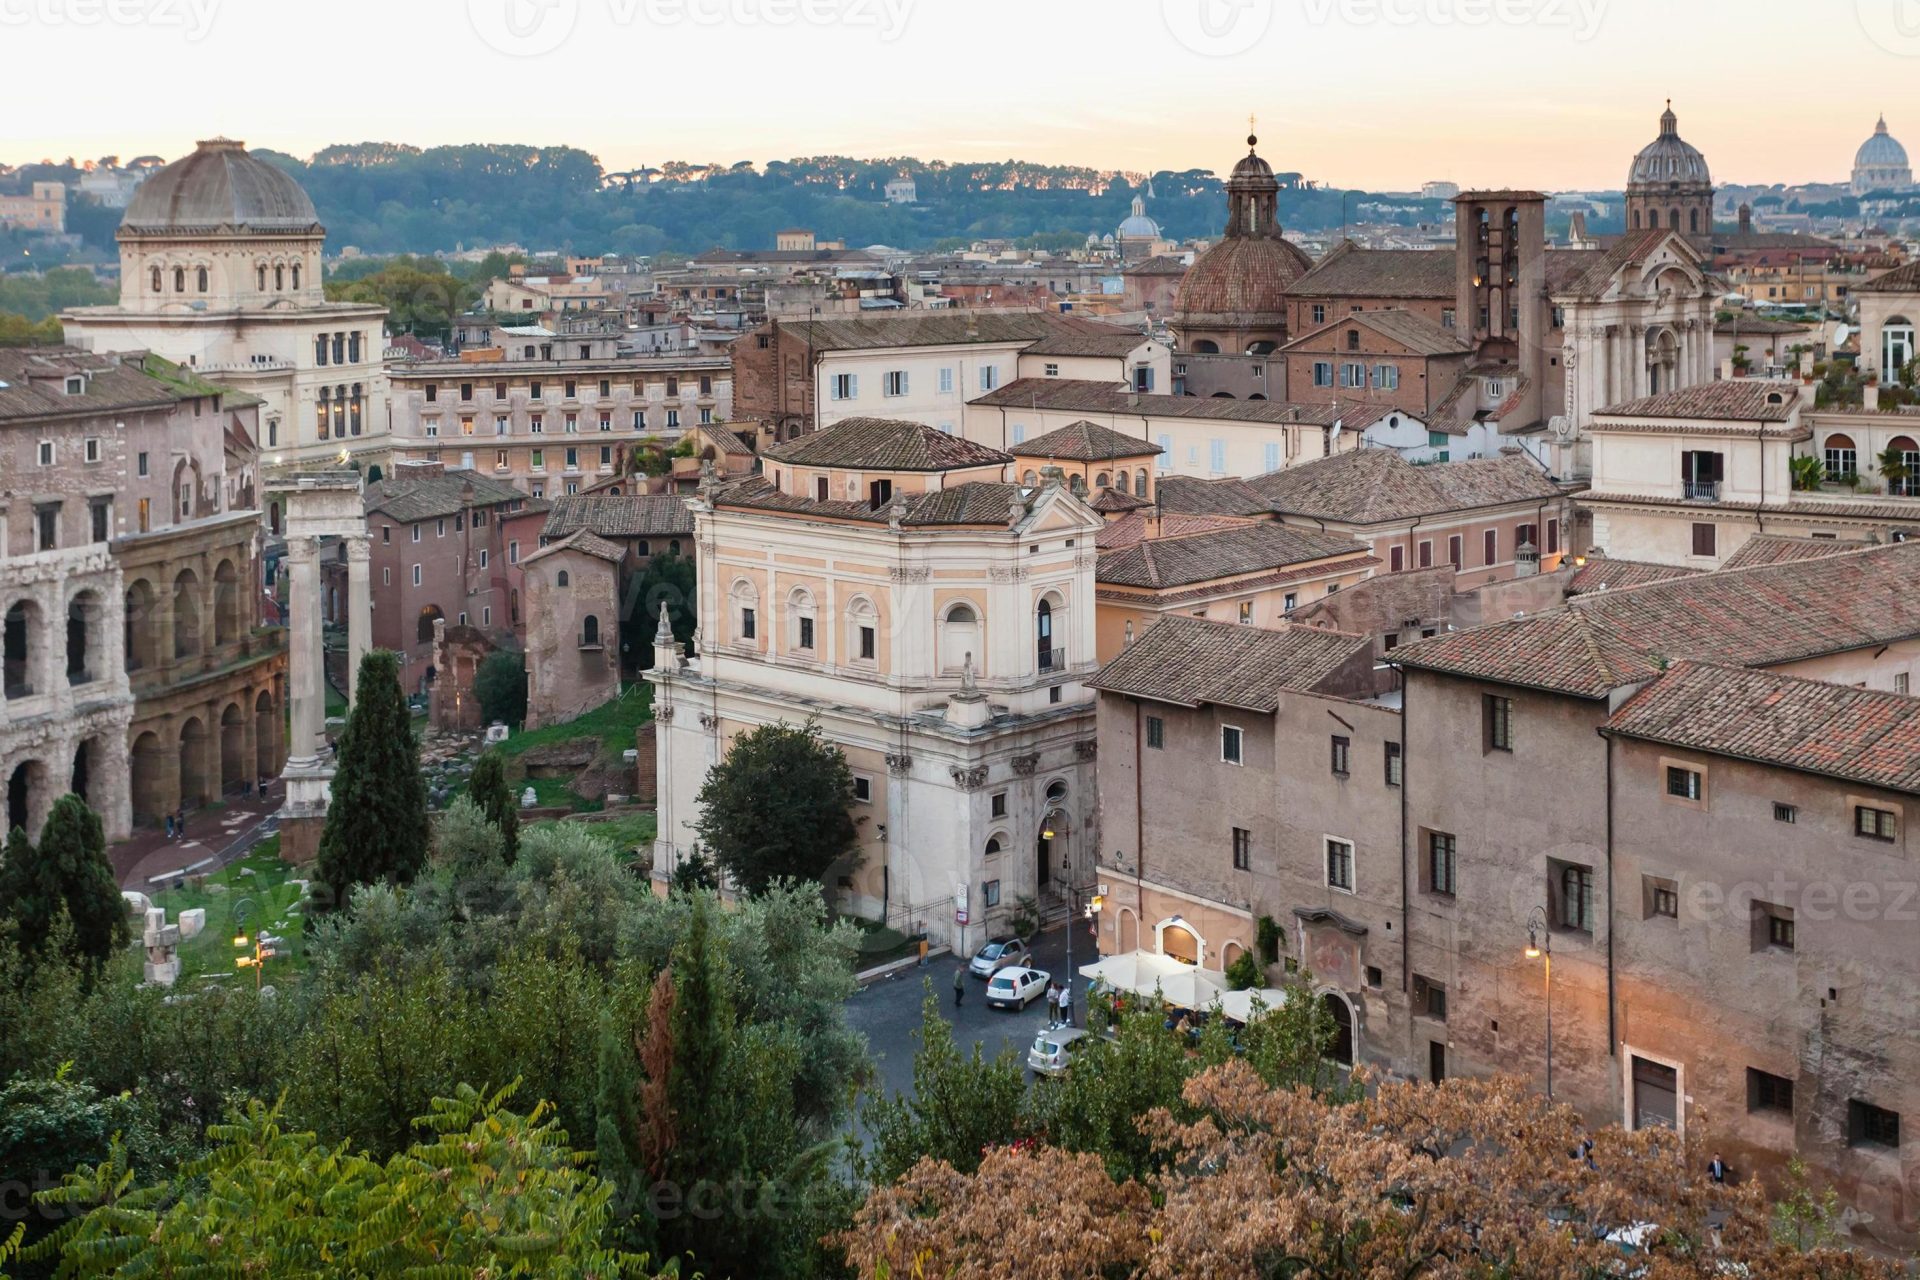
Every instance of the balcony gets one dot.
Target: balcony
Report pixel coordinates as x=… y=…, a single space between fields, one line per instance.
x=1702 y=490
x=1052 y=660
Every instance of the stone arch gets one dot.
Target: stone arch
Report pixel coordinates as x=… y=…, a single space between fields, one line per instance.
x=194 y=782
x=86 y=637
x=227 y=615
x=960 y=633
x=1176 y=937
x=141 y=638
x=430 y=614
x=188 y=619
x=234 y=764
x=27 y=799
x=186 y=489
x=1049 y=621
x=1341 y=1047
x=1103 y=480
x=26 y=648
x=1206 y=347
x=265 y=723
x=1126 y=930
x=1140 y=483
x=148 y=771
x=88 y=755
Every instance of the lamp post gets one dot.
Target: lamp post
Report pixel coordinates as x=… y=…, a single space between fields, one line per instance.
x=256 y=947
x=1540 y=947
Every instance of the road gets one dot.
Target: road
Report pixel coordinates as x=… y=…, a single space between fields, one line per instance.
x=888 y=1012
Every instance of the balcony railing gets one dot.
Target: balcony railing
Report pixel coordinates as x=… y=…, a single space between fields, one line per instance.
x=1053 y=660
x=1703 y=490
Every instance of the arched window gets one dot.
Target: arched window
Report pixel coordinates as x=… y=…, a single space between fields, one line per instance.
x=1896 y=348
x=1140 y=483
x=1907 y=452
x=1029 y=479
x=959 y=638
x=279 y=276
x=1048 y=657
x=590 y=631
x=746 y=611
x=993 y=846
x=563 y=580
x=1103 y=480
x=200 y=280
x=157 y=285
x=863 y=630
x=1078 y=485
x=1206 y=347
x=1057 y=790
x=1653 y=218
x=1693 y=220
x=802 y=621
x=296 y=275
x=179 y=279
x=260 y=273
x=1673 y=217
x=1841 y=457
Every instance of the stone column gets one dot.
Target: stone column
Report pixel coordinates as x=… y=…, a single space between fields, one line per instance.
x=359 y=607
x=305 y=657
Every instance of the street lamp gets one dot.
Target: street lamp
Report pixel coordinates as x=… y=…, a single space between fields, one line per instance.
x=257 y=946
x=1540 y=947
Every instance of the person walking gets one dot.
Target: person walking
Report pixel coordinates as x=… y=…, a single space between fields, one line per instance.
x=169 y=826
x=1717 y=1170
x=1066 y=1003
x=959 y=986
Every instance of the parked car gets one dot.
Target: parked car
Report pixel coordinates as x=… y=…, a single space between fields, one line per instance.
x=1016 y=988
x=1054 y=1050
x=998 y=954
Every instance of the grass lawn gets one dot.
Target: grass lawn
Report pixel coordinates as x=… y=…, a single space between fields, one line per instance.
x=634 y=831
x=262 y=900
x=557 y=793
x=613 y=724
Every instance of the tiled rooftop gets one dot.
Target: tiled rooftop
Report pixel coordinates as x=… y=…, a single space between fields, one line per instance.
x=1603 y=574
x=1163 y=562
x=1372 y=486
x=1728 y=400
x=1192 y=662
x=407 y=495
x=1773 y=548
x=1858 y=735
x=1080 y=395
x=1349 y=271
x=627 y=515
x=1085 y=441
x=884 y=444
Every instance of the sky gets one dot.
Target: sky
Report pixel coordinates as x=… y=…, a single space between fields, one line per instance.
x=1380 y=94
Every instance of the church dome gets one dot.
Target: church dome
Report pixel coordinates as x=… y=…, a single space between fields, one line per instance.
x=1137 y=225
x=1669 y=159
x=1881 y=151
x=1242 y=281
x=219 y=186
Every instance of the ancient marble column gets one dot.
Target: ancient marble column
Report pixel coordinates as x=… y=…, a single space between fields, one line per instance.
x=306 y=658
x=359 y=608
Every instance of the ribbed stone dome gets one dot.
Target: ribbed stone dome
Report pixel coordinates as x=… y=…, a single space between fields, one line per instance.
x=219 y=186
x=1137 y=225
x=1881 y=151
x=1243 y=280
x=1668 y=158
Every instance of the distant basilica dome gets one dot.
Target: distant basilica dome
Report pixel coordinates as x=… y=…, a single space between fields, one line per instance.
x=1137 y=225
x=1881 y=164
x=1669 y=184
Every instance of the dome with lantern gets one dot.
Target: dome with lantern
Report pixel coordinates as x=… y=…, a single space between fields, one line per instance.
x=1234 y=297
x=1881 y=164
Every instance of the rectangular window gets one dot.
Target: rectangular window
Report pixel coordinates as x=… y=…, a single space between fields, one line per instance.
x=868 y=643
x=1340 y=755
x=1386 y=377
x=1429 y=998
x=1661 y=897
x=1396 y=559
x=1426 y=555
x=1441 y=850
x=747 y=623
x=513 y=552
x=998 y=805
x=1393 y=761
x=1490 y=549
x=1572 y=891
x=1242 y=849
x=946 y=380
x=1497 y=723
x=1217 y=456
x=46 y=453
x=1156 y=733
x=416 y=575
x=416 y=533
x=386 y=577
x=466 y=391
x=1456 y=552
x=1684 y=784
x=486 y=616
x=862 y=789
x=1322 y=373
x=483 y=557
x=844 y=386
x=1768 y=1092
x=1270 y=457
x=1246 y=612
x=806 y=633
x=1230 y=744
x=1051 y=370
x=1340 y=864
x=1703 y=540
x=1165 y=458
x=990 y=893
x=1553 y=537
x=1319 y=313
x=894 y=383
x=989 y=377
x=1773 y=927
x=1871 y=1126
x=1900 y=682
x=1786 y=813
x=1875 y=824
x=1353 y=375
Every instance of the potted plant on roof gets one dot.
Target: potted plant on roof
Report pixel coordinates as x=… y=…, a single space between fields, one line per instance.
x=1893 y=465
x=1808 y=472
x=1742 y=362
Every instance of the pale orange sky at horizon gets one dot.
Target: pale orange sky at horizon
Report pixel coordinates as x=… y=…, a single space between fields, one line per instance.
x=1380 y=94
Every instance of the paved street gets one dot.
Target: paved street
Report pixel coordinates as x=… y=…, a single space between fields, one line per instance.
x=888 y=1012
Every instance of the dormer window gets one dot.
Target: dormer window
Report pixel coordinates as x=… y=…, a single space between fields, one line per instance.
x=76 y=384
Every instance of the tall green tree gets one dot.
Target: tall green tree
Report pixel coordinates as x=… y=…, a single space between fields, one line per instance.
x=490 y=790
x=780 y=805
x=670 y=580
x=67 y=874
x=377 y=827
x=501 y=686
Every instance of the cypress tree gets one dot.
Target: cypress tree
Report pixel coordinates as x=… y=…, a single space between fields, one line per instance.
x=489 y=789
x=68 y=873
x=377 y=827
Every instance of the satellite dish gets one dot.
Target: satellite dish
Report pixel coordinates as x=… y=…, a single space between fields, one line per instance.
x=1841 y=333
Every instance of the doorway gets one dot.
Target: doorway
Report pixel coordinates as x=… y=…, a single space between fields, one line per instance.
x=1340 y=1046
x=1436 y=1062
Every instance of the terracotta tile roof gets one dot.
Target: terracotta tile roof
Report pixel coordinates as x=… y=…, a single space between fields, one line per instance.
x=33 y=384
x=1416 y=333
x=943 y=328
x=976 y=503
x=1131 y=528
x=1601 y=573
x=1599 y=269
x=1899 y=280
x=1163 y=562
x=1727 y=400
x=1191 y=662
x=1757 y=617
x=1241 y=279
x=1165 y=264
x=1081 y=395
x=884 y=444
x=1349 y=271
x=1085 y=441
x=1192 y=496
x=408 y=496
x=628 y=515
x=1373 y=486
x=583 y=541
x=1116 y=343
x=723 y=439
x=1759 y=326
x=1894 y=510
x=1111 y=500
x=1773 y=548
x=1858 y=735
x=1567 y=265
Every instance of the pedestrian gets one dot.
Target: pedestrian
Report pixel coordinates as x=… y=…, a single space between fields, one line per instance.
x=1586 y=1154
x=180 y=822
x=1717 y=1170
x=169 y=826
x=959 y=986
x=1066 y=1003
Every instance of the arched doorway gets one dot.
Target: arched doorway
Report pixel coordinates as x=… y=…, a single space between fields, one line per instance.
x=82 y=771
x=265 y=758
x=1663 y=361
x=1907 y=453
x=1127 y=931
x=193 y=763
x=147 y=765
x=86 y=645
x=26 y=796
x=186 y=615
x=142 y=634
x=233 y=750
x=1340 y=1048
x=1179 y=942
x=423 y=631
x=24 y=639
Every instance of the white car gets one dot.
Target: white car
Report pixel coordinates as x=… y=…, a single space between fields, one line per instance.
x=1016 y=988
x=1054 y=1050
x=998 y=954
